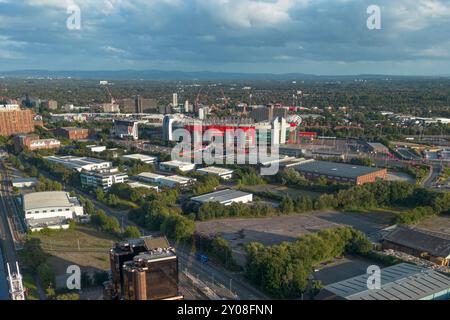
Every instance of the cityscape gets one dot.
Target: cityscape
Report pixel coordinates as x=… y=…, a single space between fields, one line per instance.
x=133 y=183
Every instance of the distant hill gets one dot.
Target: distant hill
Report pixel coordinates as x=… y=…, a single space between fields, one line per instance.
x=181 y=75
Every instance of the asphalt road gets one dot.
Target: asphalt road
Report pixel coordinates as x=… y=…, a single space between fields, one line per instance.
x=4 y=289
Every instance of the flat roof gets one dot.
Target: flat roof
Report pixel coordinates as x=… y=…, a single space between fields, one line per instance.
x=176 y=163
x=420 y=240
x=150 y=175
x=216 y=170
x=400 y=282
x=221 y=196
x=48 y=199
x=335 y=169
x=18 y=180
x=76 y=162
x=178 y=179
x=135 y=184
x=377 y=145
x=141 y=157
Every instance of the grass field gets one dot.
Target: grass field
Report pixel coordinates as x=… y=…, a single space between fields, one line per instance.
x=282 y=191
x=84 y=246
x=30 y=285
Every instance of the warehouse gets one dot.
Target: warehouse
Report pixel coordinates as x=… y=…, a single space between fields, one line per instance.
x=24 y=182
x=422 y=244
x=79 y=164
x=50 y=209
x=222 y=173
x=177 y=165
x=225 y=197
x=136 y=185
x=400 y=282
x=377 y=147
x=141 y=157
x=166 y=181
x=149 y=177
x=341 y=172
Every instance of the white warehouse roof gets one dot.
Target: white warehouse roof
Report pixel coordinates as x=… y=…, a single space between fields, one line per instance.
x=47 y=200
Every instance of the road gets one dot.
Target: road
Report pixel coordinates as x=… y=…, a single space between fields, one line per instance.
x=433 y=176
x=4 y=289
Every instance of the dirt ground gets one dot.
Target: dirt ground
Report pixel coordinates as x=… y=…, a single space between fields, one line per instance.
x=275 y=230
x=440 y=224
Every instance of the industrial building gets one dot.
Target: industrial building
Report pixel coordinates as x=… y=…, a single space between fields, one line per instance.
x=166 y=181
x=80 y=163
x=143 y=269
x=14 y=120
x=104 y=179
x=126 y=129
x=72 y=133
x=96 y=149
x=50 y=210
x=419 y=243
x=136 y=185
x=341 y=172
x=222 y=173
x=24 y=182
x=400 y=282
x=177 y=165
x=141 y=157
x=377 y=147
x=226 y=197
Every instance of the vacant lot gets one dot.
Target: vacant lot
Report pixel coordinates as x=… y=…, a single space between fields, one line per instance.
x=274 y=230
x=283 y=191
x=440 y=224
x=84 y=246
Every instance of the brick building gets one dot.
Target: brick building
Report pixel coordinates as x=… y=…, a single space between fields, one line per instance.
x=15 y=120
x=33 y=142
x=72 y=133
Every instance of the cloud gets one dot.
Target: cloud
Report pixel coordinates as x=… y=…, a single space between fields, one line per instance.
x=320 y=36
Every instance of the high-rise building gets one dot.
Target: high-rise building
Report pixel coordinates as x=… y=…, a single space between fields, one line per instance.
x=175 y=100
x=14 y=120
x=50 y=104
x=144 y=269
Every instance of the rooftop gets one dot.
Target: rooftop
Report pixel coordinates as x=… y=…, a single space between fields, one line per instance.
x=335 y=169
x=216 y=170
x=72 y=128
x=176 y=163
x=400 y=282
x=150 y=175
x=420 y=240
x=221 y=196
x=176 y=178
x=141 y=157
x=75 y=162
x=48 y=200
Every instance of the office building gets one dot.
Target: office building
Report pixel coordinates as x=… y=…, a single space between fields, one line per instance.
x=400 y=282
x=137 y=185
x=141 y=157
x=177 y=165
x=51 y=210
x=144 y=269
x=175 y=100
x=226 y=197
x=341 y=172
x=126 y=129
x=104 y=179
x=166 y=181
x=50 y=105
x=80 y=163
x=14 y=120
x=72 y=133
x=222 y=173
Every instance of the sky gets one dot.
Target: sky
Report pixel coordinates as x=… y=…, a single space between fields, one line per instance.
x=324 y=37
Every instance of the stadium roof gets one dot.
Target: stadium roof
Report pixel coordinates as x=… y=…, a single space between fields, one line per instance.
x=420 y=240
x=335 y=169
x=400 y=282
x=221 y=196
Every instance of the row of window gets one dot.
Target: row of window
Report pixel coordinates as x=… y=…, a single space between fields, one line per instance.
x=46 y=211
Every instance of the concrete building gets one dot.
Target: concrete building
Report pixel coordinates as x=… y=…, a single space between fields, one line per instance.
x=166 y=181
x=150 y=177
x=177 y=165
x=222 y=173
x=50 y=210
x=96 y=149
x=419 y=243
x=104 y=179
x=175 y=100
x=50 y=105
x=377 y=147
x=141 y=157
x=341 y=172
x=24 y=182
x=400 y=282
x=32 y=142
x=226 y=197
x=136 y=185
x=14 y=120
x=126 y=129
x=72 y=133
x=143 y=269
x=80 y=163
